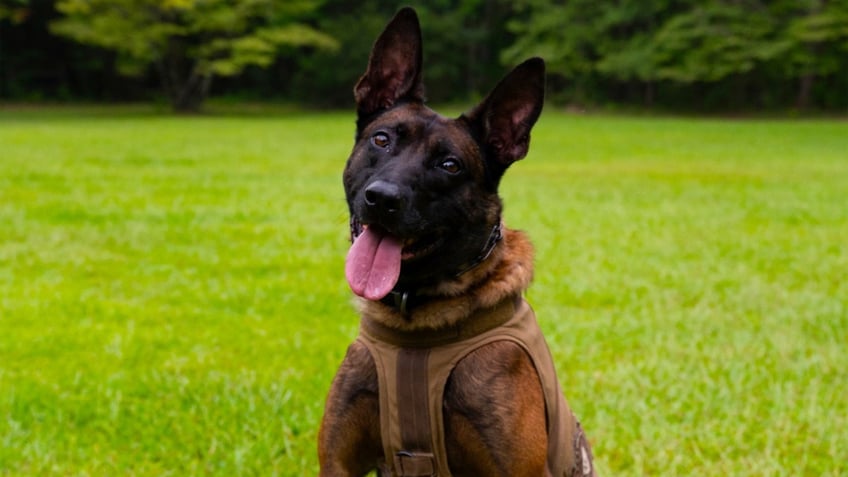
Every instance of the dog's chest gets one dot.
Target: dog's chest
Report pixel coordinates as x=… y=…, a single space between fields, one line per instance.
x=413 y=376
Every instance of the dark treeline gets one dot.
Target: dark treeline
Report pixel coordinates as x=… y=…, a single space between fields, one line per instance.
x=716 y=55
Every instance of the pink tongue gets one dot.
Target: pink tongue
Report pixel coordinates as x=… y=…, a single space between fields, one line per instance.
x=372 y=267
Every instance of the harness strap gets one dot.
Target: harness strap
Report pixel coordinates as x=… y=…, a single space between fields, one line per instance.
x=479 y=323
x=416 y=459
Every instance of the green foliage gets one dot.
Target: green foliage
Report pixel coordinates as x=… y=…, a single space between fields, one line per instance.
x=682 y=42
x=327 y=77
x=172 y=296
x=561 y=33
x=712 y=42
x=462 y=42
x=190 y=41
x=818 y=41
x=15 y=11
x=687 y=54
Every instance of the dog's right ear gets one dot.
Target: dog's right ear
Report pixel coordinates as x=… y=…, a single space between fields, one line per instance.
x=394 y=68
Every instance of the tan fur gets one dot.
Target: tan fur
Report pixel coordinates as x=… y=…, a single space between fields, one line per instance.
x=509 y=270
x=523 y=453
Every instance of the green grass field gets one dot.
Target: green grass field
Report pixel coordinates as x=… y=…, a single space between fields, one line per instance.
x=172 y=296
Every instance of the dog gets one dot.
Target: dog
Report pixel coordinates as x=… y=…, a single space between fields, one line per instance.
x=450 y=374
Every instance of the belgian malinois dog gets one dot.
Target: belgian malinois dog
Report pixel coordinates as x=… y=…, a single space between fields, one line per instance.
x=450 y=375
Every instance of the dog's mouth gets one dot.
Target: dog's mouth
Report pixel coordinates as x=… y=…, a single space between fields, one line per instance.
x=417 y=248
x=412 y=248
x=373 y=263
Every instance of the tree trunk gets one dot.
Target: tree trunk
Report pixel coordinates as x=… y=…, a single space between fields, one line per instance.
x=649 y=94
x=185 y=87
x=190 y=95
x=805 y=85
x=805 y=88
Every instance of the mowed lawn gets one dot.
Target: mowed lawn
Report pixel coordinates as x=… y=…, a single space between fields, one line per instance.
x=172 y=296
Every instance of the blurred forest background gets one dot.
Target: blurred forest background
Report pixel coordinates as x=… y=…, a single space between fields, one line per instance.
x=690 y=55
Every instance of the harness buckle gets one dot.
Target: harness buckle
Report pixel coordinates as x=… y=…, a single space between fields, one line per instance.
x=415 y=464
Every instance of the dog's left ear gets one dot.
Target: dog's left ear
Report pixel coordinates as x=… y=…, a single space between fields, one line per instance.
x=505 y=117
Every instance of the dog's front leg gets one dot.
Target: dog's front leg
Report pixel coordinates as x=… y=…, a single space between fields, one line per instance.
x=349 y=440
x=495 y=414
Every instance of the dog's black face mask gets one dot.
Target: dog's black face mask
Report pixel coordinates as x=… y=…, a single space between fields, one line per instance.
x=422 y=188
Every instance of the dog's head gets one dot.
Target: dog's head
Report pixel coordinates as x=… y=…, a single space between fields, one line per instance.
x=422 y=189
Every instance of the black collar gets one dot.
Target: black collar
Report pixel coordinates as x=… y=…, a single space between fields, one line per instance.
x=400 y=300
x=406 y=300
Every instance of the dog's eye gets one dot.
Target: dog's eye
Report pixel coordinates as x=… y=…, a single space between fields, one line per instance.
x=450 y=165
x=380 y=140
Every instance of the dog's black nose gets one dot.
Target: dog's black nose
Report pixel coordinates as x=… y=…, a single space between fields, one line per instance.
x=383 y=197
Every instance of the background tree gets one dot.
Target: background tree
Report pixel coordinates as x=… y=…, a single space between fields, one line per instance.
x=462 y=44
x=815 y=39
x=738 y=52
x=14 y=10
x=189 y=42
x=693 y=55
x=564 y=34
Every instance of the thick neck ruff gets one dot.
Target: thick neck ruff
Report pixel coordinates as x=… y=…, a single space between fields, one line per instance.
x=506 y=272
x=405 y=300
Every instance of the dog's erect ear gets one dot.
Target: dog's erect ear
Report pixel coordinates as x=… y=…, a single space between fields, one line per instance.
x=394 y=69
x=505 y=117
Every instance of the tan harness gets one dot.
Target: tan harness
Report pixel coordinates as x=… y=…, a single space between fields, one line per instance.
x=413 y=367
